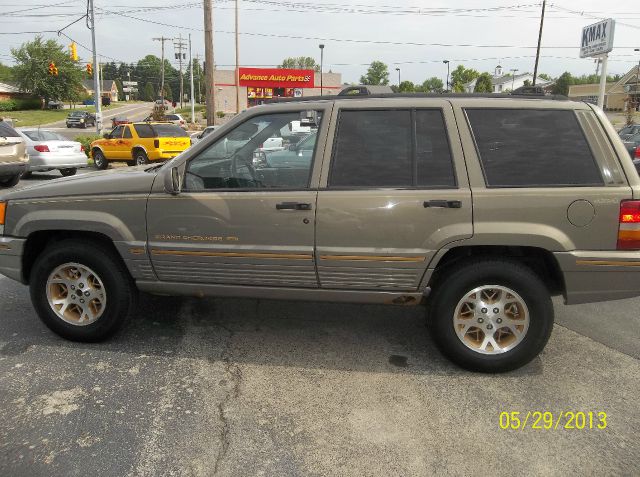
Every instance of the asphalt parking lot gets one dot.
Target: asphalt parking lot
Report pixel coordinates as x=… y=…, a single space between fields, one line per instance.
x=256 y=387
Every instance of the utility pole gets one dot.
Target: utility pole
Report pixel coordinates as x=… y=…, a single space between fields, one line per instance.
x=193 y=106
x=237 y=63
x=535 y=69
x=162 y=39
x=96 y=80
x=180 y=46
x=208 y=58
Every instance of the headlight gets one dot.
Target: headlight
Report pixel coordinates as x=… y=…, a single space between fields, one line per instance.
x=3 y=213
x=81 y=120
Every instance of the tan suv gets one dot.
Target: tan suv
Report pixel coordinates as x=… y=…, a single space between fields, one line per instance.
x=13 y=155
x=481 y=208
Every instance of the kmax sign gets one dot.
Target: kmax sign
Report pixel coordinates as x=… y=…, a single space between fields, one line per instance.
x=597 y=39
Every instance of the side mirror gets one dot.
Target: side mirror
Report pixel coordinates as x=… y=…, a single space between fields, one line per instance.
x=106 y=136
x=172 y=181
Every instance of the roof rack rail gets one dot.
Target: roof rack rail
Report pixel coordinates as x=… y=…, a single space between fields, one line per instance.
x=554 y=97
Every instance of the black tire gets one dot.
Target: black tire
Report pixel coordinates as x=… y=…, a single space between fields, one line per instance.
x=68 y=172
x=457 y=282
x=119 y=288
x=99 y=160
x=140 y=158
x=84 y=125
x=131 y=163
x=10 y=181
x=26 y=174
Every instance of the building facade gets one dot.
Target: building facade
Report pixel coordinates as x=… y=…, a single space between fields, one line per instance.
x=258 y=85
x=506 y=83
x=617 y=95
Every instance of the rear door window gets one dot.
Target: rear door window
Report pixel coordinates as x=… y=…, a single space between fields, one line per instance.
x=143 y=130
x=392 y=148
x=532 y=148
x=127 y=133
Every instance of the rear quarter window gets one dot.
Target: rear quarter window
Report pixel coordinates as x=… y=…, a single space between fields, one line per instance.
x=169 y=130
x=532 y=148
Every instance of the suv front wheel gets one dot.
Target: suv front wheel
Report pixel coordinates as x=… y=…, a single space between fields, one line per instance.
x=491 y=315
x=82 y=291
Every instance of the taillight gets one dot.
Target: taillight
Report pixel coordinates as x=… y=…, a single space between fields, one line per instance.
x=638 y=152
x=81 y=148
x=41 y=148
x=156 y=143
x=629 y=225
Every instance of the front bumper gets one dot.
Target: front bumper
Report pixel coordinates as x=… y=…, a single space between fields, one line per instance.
x=592 y=276
x=11 y=251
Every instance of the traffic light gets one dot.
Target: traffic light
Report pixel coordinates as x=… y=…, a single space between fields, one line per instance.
x=73 y=51
x=89 y=69
x=53 y=70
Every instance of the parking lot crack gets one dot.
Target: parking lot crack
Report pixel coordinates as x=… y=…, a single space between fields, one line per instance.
x=234 y=373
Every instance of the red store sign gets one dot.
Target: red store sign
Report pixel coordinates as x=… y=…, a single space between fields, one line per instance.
x=276 y=78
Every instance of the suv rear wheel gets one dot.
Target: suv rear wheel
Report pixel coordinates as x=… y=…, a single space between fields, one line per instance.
x=491 y=315
x=10 y=181
x=82 y=291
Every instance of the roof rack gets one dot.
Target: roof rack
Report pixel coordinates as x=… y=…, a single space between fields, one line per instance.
x=523 y=95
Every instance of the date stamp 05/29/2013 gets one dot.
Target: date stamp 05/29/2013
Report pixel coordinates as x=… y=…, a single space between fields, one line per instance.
x=552 y=420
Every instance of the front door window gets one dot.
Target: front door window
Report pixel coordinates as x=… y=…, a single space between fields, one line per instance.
x=272 y=151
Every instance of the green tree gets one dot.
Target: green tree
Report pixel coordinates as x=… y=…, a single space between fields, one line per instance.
x=121 y=96
x=527 y=82
x=433 y=85
x=483 y=84
x=109 y=71
x=377 y=74
x=6 y=73
x=407 y=87
x=544 y=77
x=300 y=62
x=461 y=76
x=168 y=93
x=148 y=93
x=562 y=84
x=32 y=75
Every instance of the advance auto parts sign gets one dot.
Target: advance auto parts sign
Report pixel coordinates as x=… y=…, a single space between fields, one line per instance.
x=276 y=78
x=597 y=39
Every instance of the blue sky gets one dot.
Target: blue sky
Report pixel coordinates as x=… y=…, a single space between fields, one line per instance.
x=497 y=31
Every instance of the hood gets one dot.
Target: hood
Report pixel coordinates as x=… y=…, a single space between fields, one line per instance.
x=126 y=180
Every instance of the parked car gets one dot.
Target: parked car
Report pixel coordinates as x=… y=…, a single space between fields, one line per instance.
x=176 y=119
x=295 y=155
x=13 y=156
x=80 y=119
x=139 y=143
x=632 y=142
x=198 y=136
x=50 y=151
x=628 y=131
x=116 y=121
x=55 y=104
x=406 y=201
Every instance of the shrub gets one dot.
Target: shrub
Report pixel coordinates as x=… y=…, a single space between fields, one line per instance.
x=86 y=142
x=220 y=114
x=19 y=104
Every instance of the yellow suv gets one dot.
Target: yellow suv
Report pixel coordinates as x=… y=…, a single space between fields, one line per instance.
x=139 y=143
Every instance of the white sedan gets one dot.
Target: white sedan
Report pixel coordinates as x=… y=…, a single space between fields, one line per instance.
x=49 y=150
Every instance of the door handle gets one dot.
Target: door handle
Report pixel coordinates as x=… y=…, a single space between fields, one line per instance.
x=443 y=204
x=293 y=206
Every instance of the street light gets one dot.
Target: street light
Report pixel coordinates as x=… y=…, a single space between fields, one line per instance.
x=446 y=62
x=513 y=77
x=321 y=61
x=398 y=70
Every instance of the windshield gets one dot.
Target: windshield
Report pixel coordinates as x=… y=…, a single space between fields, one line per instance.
x=169 y=130
x=76 y=114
